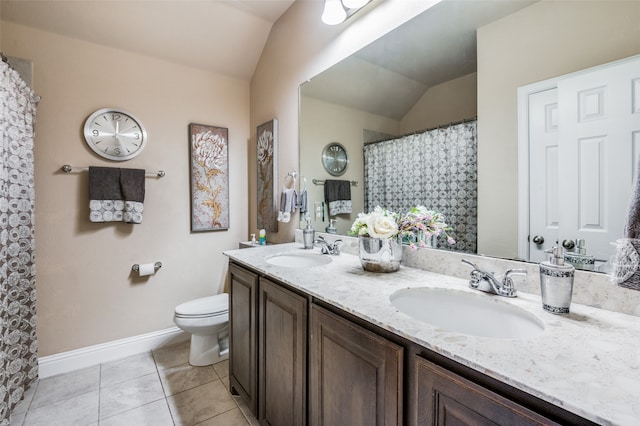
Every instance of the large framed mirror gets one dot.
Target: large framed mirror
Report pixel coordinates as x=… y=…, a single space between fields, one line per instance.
x=457 y=61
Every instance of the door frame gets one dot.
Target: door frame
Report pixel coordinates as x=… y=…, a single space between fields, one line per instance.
x=523 y=159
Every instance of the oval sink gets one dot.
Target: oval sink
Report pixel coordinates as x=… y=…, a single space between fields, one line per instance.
x=299 y=260
x=480 y=315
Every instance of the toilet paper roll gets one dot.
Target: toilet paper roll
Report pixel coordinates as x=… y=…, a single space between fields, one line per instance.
x=146 y=269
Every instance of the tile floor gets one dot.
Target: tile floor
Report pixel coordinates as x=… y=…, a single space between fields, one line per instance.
x=150 y=389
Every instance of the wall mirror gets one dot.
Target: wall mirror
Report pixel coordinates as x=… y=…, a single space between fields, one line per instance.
x=456 y=61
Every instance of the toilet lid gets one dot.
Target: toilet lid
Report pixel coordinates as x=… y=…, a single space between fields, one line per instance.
x=205 y=306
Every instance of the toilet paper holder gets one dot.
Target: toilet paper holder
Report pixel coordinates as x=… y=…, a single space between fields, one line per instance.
x=156 y=266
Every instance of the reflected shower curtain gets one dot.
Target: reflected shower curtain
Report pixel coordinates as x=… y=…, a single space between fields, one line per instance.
x=18 y=347
x=437 y=169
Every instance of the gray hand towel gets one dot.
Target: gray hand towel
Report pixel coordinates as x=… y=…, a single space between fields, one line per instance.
x=287 y=204
x=115 y=194
x=132 y=186
x=632 y=227
x=337 y=195
x=105 y=196
x=301 y=201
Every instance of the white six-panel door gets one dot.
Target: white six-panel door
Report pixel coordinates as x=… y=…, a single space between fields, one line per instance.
x=584 y=146
x=599 y=126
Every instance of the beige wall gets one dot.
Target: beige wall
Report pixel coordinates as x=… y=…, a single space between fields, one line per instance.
x=86 y=293
x=299 y=47
x=448 y=102
x=321 y=123
x=545 y=40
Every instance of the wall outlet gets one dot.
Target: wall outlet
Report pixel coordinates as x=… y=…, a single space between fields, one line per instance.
x=317 y=208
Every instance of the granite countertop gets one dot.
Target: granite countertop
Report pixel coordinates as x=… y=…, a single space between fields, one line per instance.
x=587 y=362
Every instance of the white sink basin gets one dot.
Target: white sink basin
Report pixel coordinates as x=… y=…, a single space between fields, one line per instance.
x=479 y=314
x=299 y=259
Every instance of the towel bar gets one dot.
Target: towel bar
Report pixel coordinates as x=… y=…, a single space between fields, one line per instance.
x=68 y=169
x=321 y=182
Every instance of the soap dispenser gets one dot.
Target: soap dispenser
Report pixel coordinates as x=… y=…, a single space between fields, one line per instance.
x=308 y=235
x=556 y=282
x=580 y=259
x=331 y=228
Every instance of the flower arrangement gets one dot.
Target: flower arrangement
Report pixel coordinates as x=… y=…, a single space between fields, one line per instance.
x=380 y=223
x=423 y=224
x=419 y=222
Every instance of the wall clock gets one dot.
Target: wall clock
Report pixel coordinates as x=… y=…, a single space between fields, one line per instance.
x=335 y=159
x=115 y=134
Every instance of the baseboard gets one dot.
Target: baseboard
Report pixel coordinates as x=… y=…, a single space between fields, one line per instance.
x=65 y=362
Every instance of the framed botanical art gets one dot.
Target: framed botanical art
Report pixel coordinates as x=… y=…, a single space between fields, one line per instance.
x=267 y=153
x=209 y=169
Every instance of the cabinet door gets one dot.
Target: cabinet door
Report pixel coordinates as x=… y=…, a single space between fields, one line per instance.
x=444 y=398
x=282 y=356
x=243 y=337
x=355 y=376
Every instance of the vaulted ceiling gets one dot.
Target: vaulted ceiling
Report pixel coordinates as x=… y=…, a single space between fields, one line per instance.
x=222 y=36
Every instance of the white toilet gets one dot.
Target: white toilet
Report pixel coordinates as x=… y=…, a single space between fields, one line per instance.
x=207 y=319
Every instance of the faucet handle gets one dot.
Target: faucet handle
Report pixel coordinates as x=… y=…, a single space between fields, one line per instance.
x=336 y=247
x=473 y=265
x=475 y=276
x=514 y=272
x=508 y=289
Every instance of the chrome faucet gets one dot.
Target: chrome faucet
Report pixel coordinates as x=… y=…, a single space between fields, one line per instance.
x=487 y=282
x=327 y=247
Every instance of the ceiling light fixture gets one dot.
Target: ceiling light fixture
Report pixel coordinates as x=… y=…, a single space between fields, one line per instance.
x=333 y=13
x=336 y=11
x=354 y=4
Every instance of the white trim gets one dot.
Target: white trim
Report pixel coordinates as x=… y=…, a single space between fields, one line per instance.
x=523 y=159
x=65 y=362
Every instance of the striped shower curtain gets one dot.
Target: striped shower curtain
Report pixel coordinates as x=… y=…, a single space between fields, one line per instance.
x=18 y=347
x=437 y=169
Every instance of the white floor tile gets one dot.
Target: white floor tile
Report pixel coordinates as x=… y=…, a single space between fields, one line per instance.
x=126 y=369
x=79 y=410
x=156 y=414
x=64 y=386
x=134 y=393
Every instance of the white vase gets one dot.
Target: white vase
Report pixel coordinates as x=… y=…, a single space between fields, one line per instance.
x=380 y=255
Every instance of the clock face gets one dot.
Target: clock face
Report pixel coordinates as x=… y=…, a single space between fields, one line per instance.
x=115 y=134
x=335 y=159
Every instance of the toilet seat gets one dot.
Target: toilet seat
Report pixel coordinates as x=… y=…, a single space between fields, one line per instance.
x=204 y=307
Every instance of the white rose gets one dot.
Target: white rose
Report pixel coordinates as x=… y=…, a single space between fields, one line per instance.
x=380 y=226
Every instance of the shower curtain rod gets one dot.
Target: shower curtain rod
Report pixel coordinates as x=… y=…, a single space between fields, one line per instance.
x=441 y=126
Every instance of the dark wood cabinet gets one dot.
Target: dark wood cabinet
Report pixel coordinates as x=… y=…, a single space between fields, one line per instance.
x=282 y=356
x=243 y=336
x=296 y=360
x=446 y=399
x=355 y=376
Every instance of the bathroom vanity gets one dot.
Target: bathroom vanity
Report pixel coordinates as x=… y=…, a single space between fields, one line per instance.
x=325 y=345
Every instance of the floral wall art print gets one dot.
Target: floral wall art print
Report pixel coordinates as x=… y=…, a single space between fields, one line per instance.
x=267 y=150
x=208 y=150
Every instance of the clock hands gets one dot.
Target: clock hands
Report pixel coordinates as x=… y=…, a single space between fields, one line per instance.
x=114 y=134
